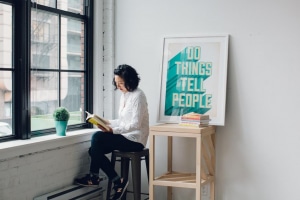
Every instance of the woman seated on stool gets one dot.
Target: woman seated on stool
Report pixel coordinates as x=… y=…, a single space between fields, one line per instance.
x=127 y=133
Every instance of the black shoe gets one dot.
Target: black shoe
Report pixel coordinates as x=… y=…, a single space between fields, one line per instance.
x=120 y=189
x=88 y=180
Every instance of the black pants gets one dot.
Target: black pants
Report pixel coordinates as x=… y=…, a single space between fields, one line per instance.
x=103 y=143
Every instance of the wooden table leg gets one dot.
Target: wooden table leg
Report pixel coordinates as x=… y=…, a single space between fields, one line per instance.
x=152 y=166
x=198 y=167
x=212 y=190
x=170 y=166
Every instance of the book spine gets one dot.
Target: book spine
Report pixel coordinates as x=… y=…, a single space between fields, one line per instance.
x=189 y=124
x=194 y=118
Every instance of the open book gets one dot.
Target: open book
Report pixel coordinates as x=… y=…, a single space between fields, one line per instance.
x=96 y=120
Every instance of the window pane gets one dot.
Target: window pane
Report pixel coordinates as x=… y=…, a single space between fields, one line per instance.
x=49 y=3
x=74 y=43
x=44 y=40
x=5 y=76
x=44 y=99
x=75 y=6
x=5 y=36
x=5 y=103
x=73 y=96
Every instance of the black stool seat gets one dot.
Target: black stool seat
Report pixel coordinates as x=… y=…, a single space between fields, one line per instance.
x=135 y=158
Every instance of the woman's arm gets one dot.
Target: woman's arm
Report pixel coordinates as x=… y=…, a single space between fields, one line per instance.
x=131 y=120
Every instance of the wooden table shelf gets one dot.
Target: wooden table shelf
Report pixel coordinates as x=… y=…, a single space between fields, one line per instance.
x=205 y=159
x=178 y=179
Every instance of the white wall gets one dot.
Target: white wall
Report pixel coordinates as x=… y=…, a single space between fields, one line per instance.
x=31 y=168
x=258 y=148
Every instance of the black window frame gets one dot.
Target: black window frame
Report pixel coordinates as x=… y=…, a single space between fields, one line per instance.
x=21 y=34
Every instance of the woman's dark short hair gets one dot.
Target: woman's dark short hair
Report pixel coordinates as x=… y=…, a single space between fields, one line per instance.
x=129 y=75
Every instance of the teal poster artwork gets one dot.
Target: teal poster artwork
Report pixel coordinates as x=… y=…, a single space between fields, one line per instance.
x=193 y=79
x=185 y=90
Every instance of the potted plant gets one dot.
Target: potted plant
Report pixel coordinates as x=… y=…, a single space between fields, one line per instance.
x=61 y=117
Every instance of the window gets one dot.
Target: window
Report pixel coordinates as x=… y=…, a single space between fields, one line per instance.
x=6 y=70
x=45 y=62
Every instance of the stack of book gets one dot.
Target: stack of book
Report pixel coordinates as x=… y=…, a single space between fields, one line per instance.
x=194 y=120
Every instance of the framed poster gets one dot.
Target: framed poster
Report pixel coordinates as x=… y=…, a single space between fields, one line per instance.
x=193 y=77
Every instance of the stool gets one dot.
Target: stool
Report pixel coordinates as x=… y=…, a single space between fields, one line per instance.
x=135 y=158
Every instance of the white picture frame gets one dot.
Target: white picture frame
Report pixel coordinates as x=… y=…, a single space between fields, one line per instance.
x=193 y=77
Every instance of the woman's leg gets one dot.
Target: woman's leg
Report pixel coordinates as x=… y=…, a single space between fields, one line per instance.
x=103 y=143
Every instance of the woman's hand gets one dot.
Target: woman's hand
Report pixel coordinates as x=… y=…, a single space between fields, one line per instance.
x=104 y=130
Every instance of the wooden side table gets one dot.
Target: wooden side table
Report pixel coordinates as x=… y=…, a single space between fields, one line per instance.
x=205 y=167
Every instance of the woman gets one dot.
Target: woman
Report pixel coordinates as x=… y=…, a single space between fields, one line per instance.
x=127 y=133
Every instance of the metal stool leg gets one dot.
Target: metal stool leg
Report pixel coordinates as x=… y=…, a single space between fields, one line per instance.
x=147 y=165
x=113 y=161
x=125 y=172
x=135 y=158
x=136 y=176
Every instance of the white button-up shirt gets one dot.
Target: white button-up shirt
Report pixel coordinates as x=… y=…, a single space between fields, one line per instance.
x=133 y=121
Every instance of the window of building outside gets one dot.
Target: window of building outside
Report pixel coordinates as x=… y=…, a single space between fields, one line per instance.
x=58 y=68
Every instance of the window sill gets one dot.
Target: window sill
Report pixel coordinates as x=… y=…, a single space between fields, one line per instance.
x=19 y=148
